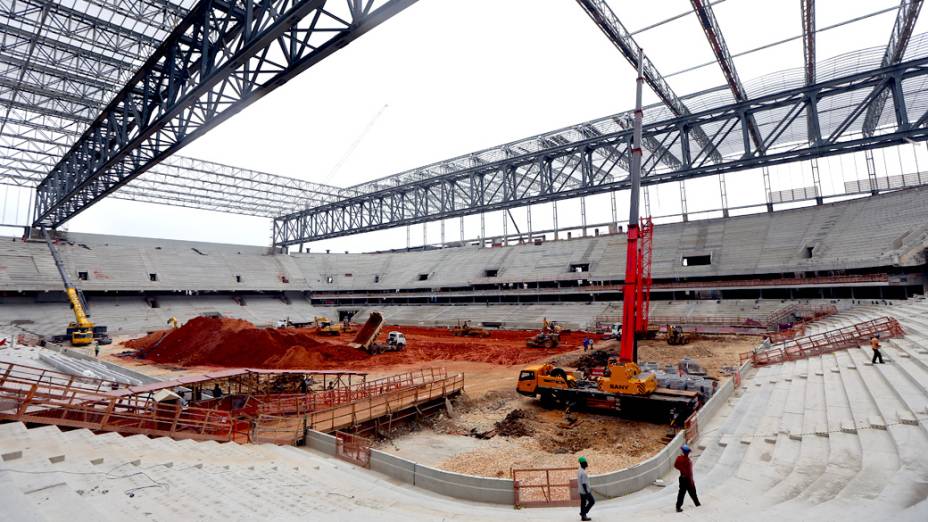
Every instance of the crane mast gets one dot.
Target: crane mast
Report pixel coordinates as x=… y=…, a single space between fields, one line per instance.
x=636 y=291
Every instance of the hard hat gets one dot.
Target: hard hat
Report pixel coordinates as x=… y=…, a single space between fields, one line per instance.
x=581 y=460
x=685 y=448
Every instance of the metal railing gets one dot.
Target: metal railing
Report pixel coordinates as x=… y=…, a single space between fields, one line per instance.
x=353 y=448
x=430 y=386
x=825 y=342
x=545 y=487
x=41 y=396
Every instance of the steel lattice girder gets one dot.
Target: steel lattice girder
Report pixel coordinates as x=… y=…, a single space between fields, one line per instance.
x=710 y=26
x=607 y=21
x=223 y=56
x=895 y=50
x=834 y=106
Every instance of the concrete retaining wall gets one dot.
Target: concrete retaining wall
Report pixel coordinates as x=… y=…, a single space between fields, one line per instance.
x=500 y=491
x=321 y=442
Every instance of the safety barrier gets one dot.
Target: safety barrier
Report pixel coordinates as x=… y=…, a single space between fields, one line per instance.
x=42 y=396
x=299 y=403
x=825 y=342
x=353 y=448
x=596 y=286
x=365 y=405
x=544 y=487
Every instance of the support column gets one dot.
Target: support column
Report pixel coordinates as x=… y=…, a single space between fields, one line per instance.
x=462 y=229
x=918 y=170
x=871 y=171
x=817 y=182
x=483 y=228
x=683 y=211
x=583 y=214
x=615 y=212
x=505 y=228
x=425 y=235
x=408 y=238
x=528 y=217
x=647 y=200
x=723 y=192
x=768 y=196
x=443 y=233
x=556 y=231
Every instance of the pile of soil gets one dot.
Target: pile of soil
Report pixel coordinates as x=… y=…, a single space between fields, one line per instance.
x=594 y=359
x=513 y=424
x=221 y=341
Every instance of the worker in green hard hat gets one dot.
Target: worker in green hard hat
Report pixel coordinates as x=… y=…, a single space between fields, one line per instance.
x=583 y=487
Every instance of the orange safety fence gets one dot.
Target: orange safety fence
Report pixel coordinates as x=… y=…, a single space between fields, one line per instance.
x=825 y=342
x=290 y=404
x=691 y=428
x=364 y=408
x=545 y=487
x=48 y=397
x=353 y=448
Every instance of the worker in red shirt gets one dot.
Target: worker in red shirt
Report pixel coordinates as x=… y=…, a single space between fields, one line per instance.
x=685 y=466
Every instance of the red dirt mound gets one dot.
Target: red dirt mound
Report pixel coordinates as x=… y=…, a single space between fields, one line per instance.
x=234 y=342
x=211 y=341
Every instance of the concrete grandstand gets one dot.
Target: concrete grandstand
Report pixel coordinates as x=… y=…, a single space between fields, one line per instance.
x=830 y=251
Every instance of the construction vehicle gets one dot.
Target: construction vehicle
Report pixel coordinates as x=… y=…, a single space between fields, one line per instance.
x=82 y=331
x=466 y=330
x=326 y=327
x=544 y=339
x=367 y=335
x=548 y=337
x=173 y=323
x=623 y=386
x=675 y=335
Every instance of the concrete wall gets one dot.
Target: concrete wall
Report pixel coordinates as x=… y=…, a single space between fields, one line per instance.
x=500 y=491
x=455 y=485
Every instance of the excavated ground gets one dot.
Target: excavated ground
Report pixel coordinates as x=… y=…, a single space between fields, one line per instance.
x=492 y=428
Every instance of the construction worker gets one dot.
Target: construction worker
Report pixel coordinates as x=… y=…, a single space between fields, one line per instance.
x=217 y=391
x=96 y=350
x=685 y=466
x=583 y=487
x=764 y=345
x=875 y=346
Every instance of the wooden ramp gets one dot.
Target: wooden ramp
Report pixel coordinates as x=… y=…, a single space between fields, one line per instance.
x=427 y=386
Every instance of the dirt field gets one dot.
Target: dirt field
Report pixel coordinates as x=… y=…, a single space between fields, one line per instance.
x=540 y=438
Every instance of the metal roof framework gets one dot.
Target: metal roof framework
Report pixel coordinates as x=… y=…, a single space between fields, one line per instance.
x=835 y=105
x=63 y=61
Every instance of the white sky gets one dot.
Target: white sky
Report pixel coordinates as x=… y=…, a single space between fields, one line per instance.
x=461 y=75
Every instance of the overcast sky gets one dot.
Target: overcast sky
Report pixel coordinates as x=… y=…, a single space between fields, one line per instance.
x=461 y=75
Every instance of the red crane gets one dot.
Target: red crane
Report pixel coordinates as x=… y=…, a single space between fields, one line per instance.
x=636 y=294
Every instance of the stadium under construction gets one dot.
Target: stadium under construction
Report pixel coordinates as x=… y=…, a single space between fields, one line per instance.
x=732 y=272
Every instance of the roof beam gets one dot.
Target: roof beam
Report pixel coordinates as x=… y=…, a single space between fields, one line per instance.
x=808 y=39
x=895 y=50
x=541 y=175
x=710 y=26
x=607 y=21
x=222 y=57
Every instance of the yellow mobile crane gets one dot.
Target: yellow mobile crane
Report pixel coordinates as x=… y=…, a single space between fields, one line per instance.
x=82 y=331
